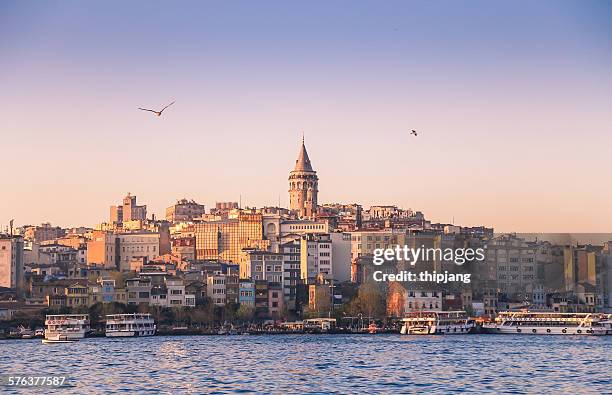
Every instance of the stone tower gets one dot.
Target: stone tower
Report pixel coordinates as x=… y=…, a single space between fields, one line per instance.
x=303 y=186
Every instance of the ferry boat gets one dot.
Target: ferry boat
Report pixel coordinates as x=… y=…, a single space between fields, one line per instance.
x=527 y=322
x=436 y=323
x=65 y=327
x=127 y=325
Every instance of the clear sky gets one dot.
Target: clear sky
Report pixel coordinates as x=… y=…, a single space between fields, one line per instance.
x=512 y=99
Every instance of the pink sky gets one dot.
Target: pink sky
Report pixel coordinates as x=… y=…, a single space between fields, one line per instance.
x=513 y=110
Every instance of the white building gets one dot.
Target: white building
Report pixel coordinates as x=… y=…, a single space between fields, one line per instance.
x=302 y=227
x=316 y=256
x=176 y=292
x=216 y=289
x=419 y=300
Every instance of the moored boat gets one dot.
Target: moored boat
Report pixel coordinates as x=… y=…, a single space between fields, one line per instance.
x=527 y=322
x=436 y=323
x=62 y=328
x=129 y=325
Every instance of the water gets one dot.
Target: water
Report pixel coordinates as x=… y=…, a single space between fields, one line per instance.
x=319 y=364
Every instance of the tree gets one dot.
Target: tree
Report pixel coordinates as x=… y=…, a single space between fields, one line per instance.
x=245 y=313
x=370 y=300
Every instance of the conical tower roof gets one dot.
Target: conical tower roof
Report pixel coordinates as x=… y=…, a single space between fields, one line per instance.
x=303 y=162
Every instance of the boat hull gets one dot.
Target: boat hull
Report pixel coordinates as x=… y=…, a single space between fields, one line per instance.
x=50 y=341
x=69 y=336
x=137 y=333
x=553 y=330
x=436 y=330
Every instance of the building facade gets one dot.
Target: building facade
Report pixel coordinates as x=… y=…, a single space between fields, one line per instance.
x=184 y=210
x=128 y=211
x=11 y=261
x=225 y=239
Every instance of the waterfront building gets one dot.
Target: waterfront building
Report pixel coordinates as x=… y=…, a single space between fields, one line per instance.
x=216 y=288
x=232 y=288
x=77 y=295
x=128 y=211
x=195 y=285
x=261 y=298
x=11 y=262
x=423 y=300
x=607 y=269
x=402 y=300
x=586 y=271
x=138 y=290
x=225 y=239
x=275 y=300
x=513 y=263
x=246 y=294
x=176 y=291
x=184 y=210
x=102 y=291
x=320 y=295
x=303 y=186
x=158 y=296
x=291 y=253
x=40 y=289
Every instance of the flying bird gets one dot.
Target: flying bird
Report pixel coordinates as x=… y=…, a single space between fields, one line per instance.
x=159 y=113
x=414 y=132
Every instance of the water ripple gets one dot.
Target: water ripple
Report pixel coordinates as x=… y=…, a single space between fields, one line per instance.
x=319 y=364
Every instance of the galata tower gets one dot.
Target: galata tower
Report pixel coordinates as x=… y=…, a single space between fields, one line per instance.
x=303 y=186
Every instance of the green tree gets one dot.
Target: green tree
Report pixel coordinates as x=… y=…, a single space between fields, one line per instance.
x=245 y=313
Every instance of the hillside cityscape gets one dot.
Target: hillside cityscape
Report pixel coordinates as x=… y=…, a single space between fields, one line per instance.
x=276 y=265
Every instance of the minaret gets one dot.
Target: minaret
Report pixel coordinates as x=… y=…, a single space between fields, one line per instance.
x=303 y=186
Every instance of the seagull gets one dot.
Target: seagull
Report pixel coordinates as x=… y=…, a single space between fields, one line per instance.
x=414 y=132
x=159 y=113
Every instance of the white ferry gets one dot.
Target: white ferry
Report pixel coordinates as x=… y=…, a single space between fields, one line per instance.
x=65 y=327
x=436 y=323
x=550 y=323
x=127 y=325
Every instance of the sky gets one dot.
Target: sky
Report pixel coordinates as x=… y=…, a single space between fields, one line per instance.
x=512 y=101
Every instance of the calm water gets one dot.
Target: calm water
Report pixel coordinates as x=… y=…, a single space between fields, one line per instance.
x=320 y=363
